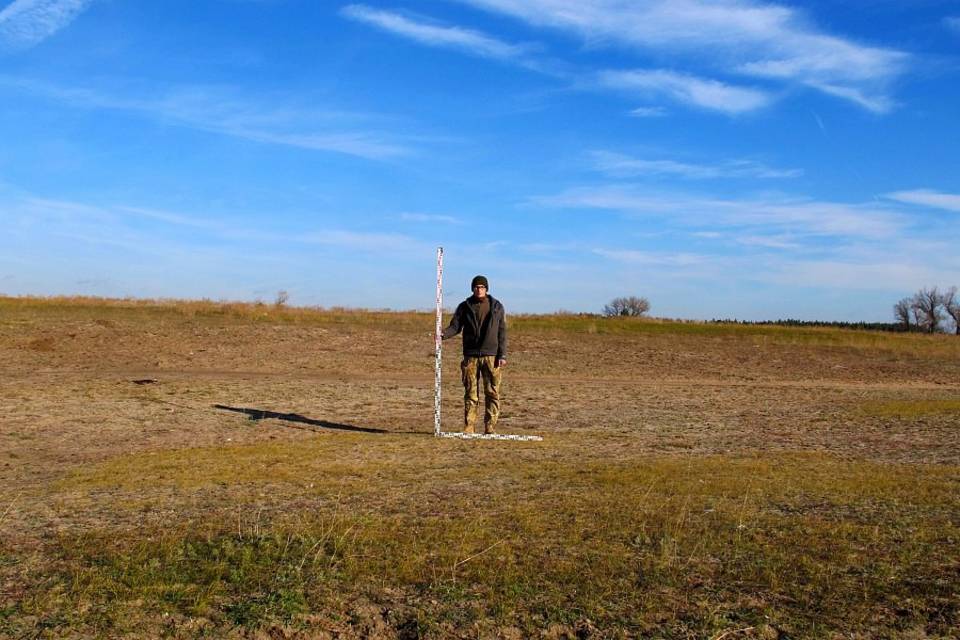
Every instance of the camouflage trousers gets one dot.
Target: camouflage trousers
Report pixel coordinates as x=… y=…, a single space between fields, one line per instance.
x=473 y=370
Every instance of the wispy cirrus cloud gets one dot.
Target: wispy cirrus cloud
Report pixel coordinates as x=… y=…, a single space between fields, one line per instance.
x=94 y=225
x=685 y=89
x=878 y=273
x=737 y=46
x=844 y=269
x=928 y=198
x=874 y=103
x=798 y=217
x=123 y=225
x=624 y=166
x=547 y=248
x=769 y=241
x=69 y=246
x=881 y=267
x=361 y=144
x=25 y=23
x=653 y=258
x=690 y=90
x=359 y=240
x=435 y=35
x=75 y=212
x=648 y=112
x=227 y=111
x=755 y=39
x=429 y=218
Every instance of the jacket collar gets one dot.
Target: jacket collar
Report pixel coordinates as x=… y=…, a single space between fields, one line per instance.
x=492 y=300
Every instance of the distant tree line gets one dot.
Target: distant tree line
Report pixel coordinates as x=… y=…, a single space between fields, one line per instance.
x=791 y=322
x=930 y=311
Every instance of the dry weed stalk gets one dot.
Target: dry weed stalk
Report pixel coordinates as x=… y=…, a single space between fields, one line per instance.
x=732 y=632
x=9 y=507
x=476 y=555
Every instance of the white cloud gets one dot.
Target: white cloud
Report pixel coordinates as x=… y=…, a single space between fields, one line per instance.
x=770 y=242
x=358 y=240
x=176 y=219
x=434 y=35
x=928 y=198
x=650 y=258
x=620 y=165
x=122 y=225
x=861 y=271
x=53 y=245
x=546 y=248
x=622 y=200
x=879 y=275
x=952 y=23
x=25 y=23
x=67 y=212
x=648 y=112
x=654 y=83
x=750 y=38
x=800 y=218
x=85 y=223
x=429 y=217
x=822 y=218
x=686 y=89
x=876 y=104
x=669 y=266
x=226 y=111
x=768 y=42
x=360 y=144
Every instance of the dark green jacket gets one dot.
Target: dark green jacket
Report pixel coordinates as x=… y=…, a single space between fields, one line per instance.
x=488 y=340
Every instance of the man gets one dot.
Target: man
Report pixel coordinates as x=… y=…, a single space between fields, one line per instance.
x=483 y=322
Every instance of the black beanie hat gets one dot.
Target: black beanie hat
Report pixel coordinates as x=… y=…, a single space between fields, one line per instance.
x=480 y=280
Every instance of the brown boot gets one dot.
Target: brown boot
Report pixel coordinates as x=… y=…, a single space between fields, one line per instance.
x=469 y=429
x=489 y=429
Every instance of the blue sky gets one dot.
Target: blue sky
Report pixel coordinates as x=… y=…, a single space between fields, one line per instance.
x=722 y=158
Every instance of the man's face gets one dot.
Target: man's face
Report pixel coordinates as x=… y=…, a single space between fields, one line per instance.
x=480 y=291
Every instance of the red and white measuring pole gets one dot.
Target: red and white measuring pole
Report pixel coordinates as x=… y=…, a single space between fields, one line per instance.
x=438 y=348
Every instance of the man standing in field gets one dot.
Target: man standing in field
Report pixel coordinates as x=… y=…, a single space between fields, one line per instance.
x=483 y=322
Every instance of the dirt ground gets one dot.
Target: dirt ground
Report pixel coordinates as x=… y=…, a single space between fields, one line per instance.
x=69 y=392
x=81 y=387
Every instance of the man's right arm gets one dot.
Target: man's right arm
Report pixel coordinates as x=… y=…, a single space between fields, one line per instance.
x=454 y=327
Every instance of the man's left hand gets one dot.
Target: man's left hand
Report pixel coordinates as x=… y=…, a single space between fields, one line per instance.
x=500 y=362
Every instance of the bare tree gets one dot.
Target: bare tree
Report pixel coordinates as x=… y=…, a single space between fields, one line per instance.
x=917 y=313
x=952 y=306
x=926 y=309
x=901 y=312
x=630 y=306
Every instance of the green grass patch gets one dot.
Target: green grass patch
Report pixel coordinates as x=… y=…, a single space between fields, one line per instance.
x=912 y=409
x=679 y=547
x=206 y=466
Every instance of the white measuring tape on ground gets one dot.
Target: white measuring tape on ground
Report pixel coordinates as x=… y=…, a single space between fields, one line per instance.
x=437 y=368
x=487 y=436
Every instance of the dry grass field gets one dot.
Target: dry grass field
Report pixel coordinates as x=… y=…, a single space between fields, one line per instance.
x=192 y=469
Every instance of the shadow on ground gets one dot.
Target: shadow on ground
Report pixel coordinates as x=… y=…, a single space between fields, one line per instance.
x=261 y=414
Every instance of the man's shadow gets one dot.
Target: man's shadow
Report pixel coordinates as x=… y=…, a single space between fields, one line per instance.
x=260 y=414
